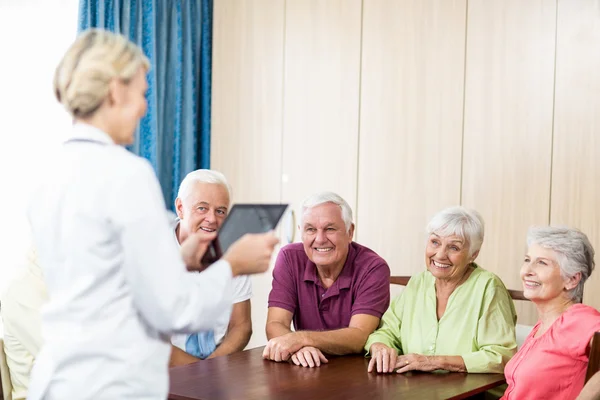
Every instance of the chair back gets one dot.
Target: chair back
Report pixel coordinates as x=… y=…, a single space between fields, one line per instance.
x=6 y=387
x=594 y=362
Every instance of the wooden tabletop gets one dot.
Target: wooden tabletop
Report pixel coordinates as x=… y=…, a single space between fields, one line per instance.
x=246 y=375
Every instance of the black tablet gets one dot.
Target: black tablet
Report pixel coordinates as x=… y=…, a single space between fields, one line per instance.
x=242 y=219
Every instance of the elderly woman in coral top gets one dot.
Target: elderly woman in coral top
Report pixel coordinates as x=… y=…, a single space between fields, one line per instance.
x=553 y=360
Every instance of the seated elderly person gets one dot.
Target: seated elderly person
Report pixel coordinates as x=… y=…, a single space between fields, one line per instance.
x=454 y=316
x=21 y=304
x=333 y=289
x=552 y=362
x=202 y=204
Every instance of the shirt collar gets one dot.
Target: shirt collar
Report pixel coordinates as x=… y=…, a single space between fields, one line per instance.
x=344 y=280
x=175 y=225
x=89 y=132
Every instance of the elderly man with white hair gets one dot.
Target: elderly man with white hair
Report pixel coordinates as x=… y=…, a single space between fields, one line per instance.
x=333 y=289
x=202 y=204
x=453 y=316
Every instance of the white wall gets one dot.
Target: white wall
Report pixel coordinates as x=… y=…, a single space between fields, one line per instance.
x=34 y=34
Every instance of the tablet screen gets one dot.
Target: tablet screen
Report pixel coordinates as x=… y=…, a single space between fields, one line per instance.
x=242 y=219
x=249 y=218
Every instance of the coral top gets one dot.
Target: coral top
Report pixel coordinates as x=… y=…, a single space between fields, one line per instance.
x=553 y=366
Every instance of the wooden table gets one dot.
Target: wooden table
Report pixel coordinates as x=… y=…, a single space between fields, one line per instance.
x=246 y=375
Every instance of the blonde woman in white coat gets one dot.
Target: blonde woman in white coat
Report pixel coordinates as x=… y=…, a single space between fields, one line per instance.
x=115 y=278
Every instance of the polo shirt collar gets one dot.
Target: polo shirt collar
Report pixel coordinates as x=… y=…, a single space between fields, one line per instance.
x=174 y=226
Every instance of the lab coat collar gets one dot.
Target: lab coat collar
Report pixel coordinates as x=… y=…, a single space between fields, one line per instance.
x=83 y=131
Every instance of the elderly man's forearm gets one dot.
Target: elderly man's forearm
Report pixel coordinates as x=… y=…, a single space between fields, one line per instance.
x=236 y=340
x=180 y=357
x=338 y=342
x=275 y=329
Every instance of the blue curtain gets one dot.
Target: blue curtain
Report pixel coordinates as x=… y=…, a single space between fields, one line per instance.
x=176 y=35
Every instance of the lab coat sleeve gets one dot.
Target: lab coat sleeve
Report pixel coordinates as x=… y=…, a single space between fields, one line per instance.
x=163 y=291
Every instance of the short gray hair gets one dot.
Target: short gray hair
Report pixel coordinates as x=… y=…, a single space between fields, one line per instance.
x=462 y=222
x=328 y=197
x=202 y=176
x=575 y=252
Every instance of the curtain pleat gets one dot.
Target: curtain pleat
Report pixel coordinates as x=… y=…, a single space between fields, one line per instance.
x=176 y=35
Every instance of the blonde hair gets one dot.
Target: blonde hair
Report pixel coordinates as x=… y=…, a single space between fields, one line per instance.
x=82 y=78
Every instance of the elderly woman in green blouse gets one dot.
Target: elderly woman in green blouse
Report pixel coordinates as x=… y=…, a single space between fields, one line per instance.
x=454 y=316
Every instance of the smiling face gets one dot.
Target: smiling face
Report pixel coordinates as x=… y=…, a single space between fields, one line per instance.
x=542 y=278
x=324 y=235
x=204 y=209
x=447 y=257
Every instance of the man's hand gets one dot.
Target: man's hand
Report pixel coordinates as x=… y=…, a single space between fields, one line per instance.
x=309 y=357
x=281 y=348
x=180 y=357
x=193 y=249
x=383 y=358
x=251 y=254
x=414 y=362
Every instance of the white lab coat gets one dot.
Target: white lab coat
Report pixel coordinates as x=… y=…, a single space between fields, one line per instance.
x=118 y=287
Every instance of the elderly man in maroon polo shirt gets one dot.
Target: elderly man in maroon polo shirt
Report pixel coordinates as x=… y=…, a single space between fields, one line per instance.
x=333 y=289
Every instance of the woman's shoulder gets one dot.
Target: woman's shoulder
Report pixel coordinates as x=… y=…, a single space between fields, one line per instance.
x=481 y=276
x=582 y=316
x=127 y=165
x=576 y=327
x=420 y=279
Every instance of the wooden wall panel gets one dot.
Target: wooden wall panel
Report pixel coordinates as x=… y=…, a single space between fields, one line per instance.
x=508 y=127
x=247 y=110
x=576 y=156
x=410 y=123
x=247 y=96
x=322 y=63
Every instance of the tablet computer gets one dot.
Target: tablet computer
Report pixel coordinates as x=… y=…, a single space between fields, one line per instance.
x=243 y=219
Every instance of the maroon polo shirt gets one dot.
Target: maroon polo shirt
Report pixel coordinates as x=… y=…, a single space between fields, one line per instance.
x=363 y=287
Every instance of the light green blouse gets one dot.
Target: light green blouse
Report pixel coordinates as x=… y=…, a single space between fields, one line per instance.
x=478 y=324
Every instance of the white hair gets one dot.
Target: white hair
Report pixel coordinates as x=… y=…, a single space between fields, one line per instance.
x=462 y=222
x=202 y=176
x=328 y=197
x=574 y=250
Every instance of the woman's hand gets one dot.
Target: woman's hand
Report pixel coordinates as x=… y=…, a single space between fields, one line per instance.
x=194 y=247
x=251 y=254
x=383 y=358
x=415 y=362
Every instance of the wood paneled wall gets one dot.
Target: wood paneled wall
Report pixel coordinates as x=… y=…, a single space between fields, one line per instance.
x=247 y=117
x=405 y=107
x=509 y=91
x=410 y=123
x=320 y=102
x=575 y=197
